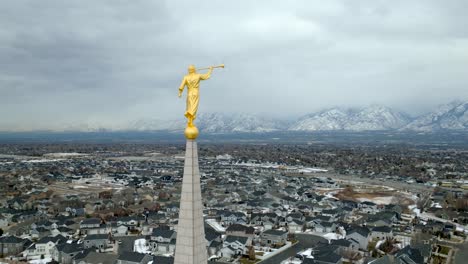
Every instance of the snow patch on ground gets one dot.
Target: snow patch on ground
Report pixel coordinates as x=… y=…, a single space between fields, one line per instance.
x=40 y=261
x=65 y=154
x=332 y=236
x=140 y=246
x=415 y=210
x=331 y=195
x=312 y=170
x=41 y=160
x=377 y=200
x=380 y=242
x=215 y=225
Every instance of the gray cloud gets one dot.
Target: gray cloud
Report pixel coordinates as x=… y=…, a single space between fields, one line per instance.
x=108 y=62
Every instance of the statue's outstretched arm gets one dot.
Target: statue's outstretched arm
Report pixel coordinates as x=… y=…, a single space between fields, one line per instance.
x=207 y=75
x=182 y=86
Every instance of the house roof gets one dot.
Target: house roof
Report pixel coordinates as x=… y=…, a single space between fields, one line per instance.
x=129 y=218
x=64 y=229
x=382 y=216
x=273 y=232
x=163 y=260
x=210 y=233
x=308 y=261
x=229 y=213
x=44 y=223
x=69 y=248
x=382 y=229
x=412 y=253
x=215 y=243
x=341 y=242
x=91 y=221
x=327 y=224
x=328 y=258
x=330 y=211
x=162 y=232
x=11 y=240
x=94 y=257
x=131 y=256
x=55 y=239
x=231 y=239
x=425 y=249
x=295 y=215
x=383 y=260
x=240 y=228
x=363 y=231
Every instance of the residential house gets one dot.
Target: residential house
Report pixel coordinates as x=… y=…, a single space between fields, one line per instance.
x=215 y=247
x=172 y=209
x=11 y=245
x=324 y=227
x=75 y=212
x=410 y=255
x=44 y=247
x=368 y=207
x=324 y=253
x=118 y=229
x=132 y=222
x=99 y=241
x=382 y=219
x=345 y=245
x=274 y=237
x=90 y=223
x=93 y=226
x=62 y=230
x=162 y=240
x=332 y=213
x=229 y=252
x=229 y=218
x=4 y=222
x=92 y=257
x=235 y=245
x=267 y=221
x=240 y=230
x=359 y=234
x=295 y=226
x=64 y=253
x=381 y=232
x=331 y=258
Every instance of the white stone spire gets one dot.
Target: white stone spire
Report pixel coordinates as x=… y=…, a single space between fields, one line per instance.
x=191 y=242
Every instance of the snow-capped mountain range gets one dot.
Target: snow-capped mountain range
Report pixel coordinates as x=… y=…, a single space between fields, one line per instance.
x=215 y=123
x=370 y=118
x=452 y=116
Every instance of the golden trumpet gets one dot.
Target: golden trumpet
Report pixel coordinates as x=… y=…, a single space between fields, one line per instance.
x=217 y=66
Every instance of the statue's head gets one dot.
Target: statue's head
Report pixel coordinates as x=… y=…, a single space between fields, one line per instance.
x=191 y=68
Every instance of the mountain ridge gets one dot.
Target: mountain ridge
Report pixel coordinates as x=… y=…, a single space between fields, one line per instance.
x=448 y=117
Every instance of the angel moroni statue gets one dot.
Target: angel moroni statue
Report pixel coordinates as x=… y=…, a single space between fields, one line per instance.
x=192 y=81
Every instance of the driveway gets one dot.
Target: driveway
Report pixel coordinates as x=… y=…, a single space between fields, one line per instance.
x=462 y=254
x=304 y=241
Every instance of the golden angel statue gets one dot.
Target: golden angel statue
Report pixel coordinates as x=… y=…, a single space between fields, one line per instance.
x=192 y=81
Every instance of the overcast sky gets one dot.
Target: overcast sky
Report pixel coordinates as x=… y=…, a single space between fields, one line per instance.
x=107 y=62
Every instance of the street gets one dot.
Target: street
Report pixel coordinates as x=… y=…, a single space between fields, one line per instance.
x=304 y=241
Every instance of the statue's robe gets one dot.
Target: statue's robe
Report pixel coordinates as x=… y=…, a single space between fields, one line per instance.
x=192 y=81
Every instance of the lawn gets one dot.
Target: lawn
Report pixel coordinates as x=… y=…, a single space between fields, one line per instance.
x=248 y=261
x=444 y=250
